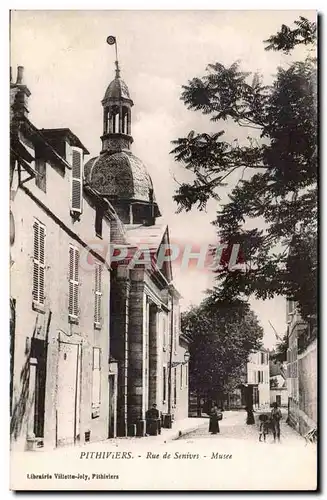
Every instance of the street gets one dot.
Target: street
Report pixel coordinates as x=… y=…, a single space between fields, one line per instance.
x=233 y=426
x=232 y=460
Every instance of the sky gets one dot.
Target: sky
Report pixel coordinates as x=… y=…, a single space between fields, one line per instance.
x=68 y=66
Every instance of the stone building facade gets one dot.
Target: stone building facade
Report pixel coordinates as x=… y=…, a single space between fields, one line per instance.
x=145 y=324
x=278 y=384
x=59 y=292
x=254 y=391
x=95 y=339
x=258 y=377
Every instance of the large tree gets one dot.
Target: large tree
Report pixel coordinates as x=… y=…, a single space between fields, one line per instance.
x=223 y=335
x=277 y=171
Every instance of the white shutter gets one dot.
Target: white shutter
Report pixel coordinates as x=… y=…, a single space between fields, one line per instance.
x=73 y=302
x=77 y=182
x=96 y=375
x=38 y=263
x=98 y=294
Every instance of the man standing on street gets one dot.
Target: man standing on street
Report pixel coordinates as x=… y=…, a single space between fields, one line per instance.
x=275 y=417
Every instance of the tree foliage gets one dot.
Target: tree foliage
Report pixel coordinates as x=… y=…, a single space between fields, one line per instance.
x=280 y=353
x=287 y=38
x=273 y=383
x=276 y=169
x=223 y=335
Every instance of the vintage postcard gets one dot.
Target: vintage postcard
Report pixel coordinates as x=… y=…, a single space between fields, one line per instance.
x=163 y=250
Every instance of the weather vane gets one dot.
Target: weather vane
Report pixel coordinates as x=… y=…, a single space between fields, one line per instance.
x=111 y=40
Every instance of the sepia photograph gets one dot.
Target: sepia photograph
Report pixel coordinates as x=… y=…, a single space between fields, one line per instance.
x=163 y=250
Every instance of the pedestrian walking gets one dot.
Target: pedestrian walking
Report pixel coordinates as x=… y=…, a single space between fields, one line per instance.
x=275 y=418
x=214 y=420
x=249 y=415
x=153 y=424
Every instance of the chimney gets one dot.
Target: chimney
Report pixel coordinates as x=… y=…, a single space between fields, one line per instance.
x=19 y=94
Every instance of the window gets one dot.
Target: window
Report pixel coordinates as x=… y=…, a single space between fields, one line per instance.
x=170 y=331
x=97 y=294
x=164 y=332
x=125 y=121
x=73 y=301
x=40 y=178
x=291 y=306
x=164 y=387
x=181 y=376
x=98 y=222
x=77 y=182
x=96 y=382
x=175 y=331
x=186 y=375
x=38 y=262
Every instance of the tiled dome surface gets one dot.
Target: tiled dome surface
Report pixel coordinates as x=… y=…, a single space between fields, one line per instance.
x=117 y=89
x=119 y=174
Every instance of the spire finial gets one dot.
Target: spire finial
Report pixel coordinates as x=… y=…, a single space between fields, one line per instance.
x=117 y=69
x=111 y=40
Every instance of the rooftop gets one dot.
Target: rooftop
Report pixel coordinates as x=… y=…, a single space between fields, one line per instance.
x=151 y=236
x=64 y=133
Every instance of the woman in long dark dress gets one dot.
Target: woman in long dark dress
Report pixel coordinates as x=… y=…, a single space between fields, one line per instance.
x=214 y=422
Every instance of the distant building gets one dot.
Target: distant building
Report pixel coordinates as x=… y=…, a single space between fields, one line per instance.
x=258 y=378
x=301 y=370
x=278 y=384
x=255 y=387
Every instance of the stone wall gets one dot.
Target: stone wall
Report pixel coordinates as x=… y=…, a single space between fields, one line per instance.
x=307 y=370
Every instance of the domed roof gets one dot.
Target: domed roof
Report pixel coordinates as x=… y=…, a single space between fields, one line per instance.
x=117 y=89
x=120 y=174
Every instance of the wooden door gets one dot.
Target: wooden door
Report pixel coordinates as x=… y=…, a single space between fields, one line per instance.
x=68 y=398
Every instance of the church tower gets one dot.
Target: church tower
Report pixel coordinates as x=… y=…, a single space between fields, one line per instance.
x=117 y=116
x=117 y=174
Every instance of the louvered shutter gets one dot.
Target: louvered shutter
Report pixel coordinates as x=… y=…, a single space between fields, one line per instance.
x=73 y=301
x=96 y=382
x=98 y=294
x=77 y=182
x=38 y=262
